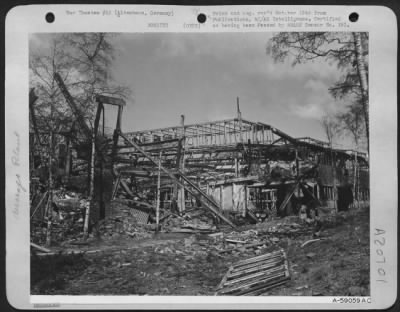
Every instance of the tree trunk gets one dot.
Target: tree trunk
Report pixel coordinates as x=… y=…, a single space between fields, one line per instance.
x=68 y=161
x=49 y=210
x=91 y=188
x=363 y=76
x=158 y=193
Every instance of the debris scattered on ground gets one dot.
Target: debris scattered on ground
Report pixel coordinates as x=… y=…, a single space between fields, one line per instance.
x=254 y=276
x=190 y=222
x=188 y=264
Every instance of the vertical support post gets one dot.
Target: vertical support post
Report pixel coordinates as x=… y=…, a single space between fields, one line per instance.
x=68 y=159
x=245 y=200
x=91 y=189
x=101 y=191
x=181 y=194
x=158 y=193
x=197 y=136
x=234 y=131
x=236 y=167
x=220 y=135
x=225 y=132
x=263 y=134
x=221 y=197
x=297 y=173
x=240 y=120
x=116 y=134
x=233 y=197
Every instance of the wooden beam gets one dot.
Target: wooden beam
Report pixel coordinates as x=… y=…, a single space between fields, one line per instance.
x=110 y=100
x=40 y=248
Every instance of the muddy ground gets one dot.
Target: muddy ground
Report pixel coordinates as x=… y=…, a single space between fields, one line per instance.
x=185 y=264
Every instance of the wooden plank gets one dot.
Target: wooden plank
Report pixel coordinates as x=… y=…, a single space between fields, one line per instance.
x=246 y=261
x=257 y=268
x=255 y=260
x=235 y=241
x=269 y=279
x=110 y=100
x=254 y=264
x=176 y=230
x=255 y=275
x=262 y=263
x=250 y=286
x=40 y=248
x=126 y=188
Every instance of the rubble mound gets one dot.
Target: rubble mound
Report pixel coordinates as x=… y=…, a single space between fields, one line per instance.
x=125 y=220
x=116 y=226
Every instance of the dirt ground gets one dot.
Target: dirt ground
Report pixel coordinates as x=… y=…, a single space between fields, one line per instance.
x=184 y=264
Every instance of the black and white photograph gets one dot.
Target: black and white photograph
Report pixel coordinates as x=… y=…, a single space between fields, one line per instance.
x=201 y=157
x=199 y=164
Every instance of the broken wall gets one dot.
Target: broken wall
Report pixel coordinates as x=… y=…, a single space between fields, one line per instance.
x=233 y=198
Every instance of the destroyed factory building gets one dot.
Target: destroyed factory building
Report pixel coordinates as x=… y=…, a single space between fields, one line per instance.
x=235 y=168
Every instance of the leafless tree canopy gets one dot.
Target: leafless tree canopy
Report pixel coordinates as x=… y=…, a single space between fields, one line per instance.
x=349 y=52
x=83 y=60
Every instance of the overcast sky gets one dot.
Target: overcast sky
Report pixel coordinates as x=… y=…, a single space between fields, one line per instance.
x=200 y=76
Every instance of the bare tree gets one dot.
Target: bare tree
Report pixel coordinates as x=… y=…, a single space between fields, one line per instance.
x=83 y=61
x=352 y=122
x=349 y=51
x=330 y=127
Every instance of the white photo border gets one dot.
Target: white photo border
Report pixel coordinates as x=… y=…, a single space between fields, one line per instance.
x=378 y=21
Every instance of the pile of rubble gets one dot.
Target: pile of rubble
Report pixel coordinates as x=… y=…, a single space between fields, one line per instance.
x=289 y=229
x=219 y=244
x=125 y=221
x=115 y=227
x=195 y=221
x=68 y=211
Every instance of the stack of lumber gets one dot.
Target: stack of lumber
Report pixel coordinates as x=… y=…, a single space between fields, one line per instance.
x=254 y=276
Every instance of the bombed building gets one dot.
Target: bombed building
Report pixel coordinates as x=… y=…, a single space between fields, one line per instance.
x=240 y=170
x=138 y=186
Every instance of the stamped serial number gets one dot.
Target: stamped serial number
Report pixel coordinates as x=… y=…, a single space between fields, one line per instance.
x=351 y=300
